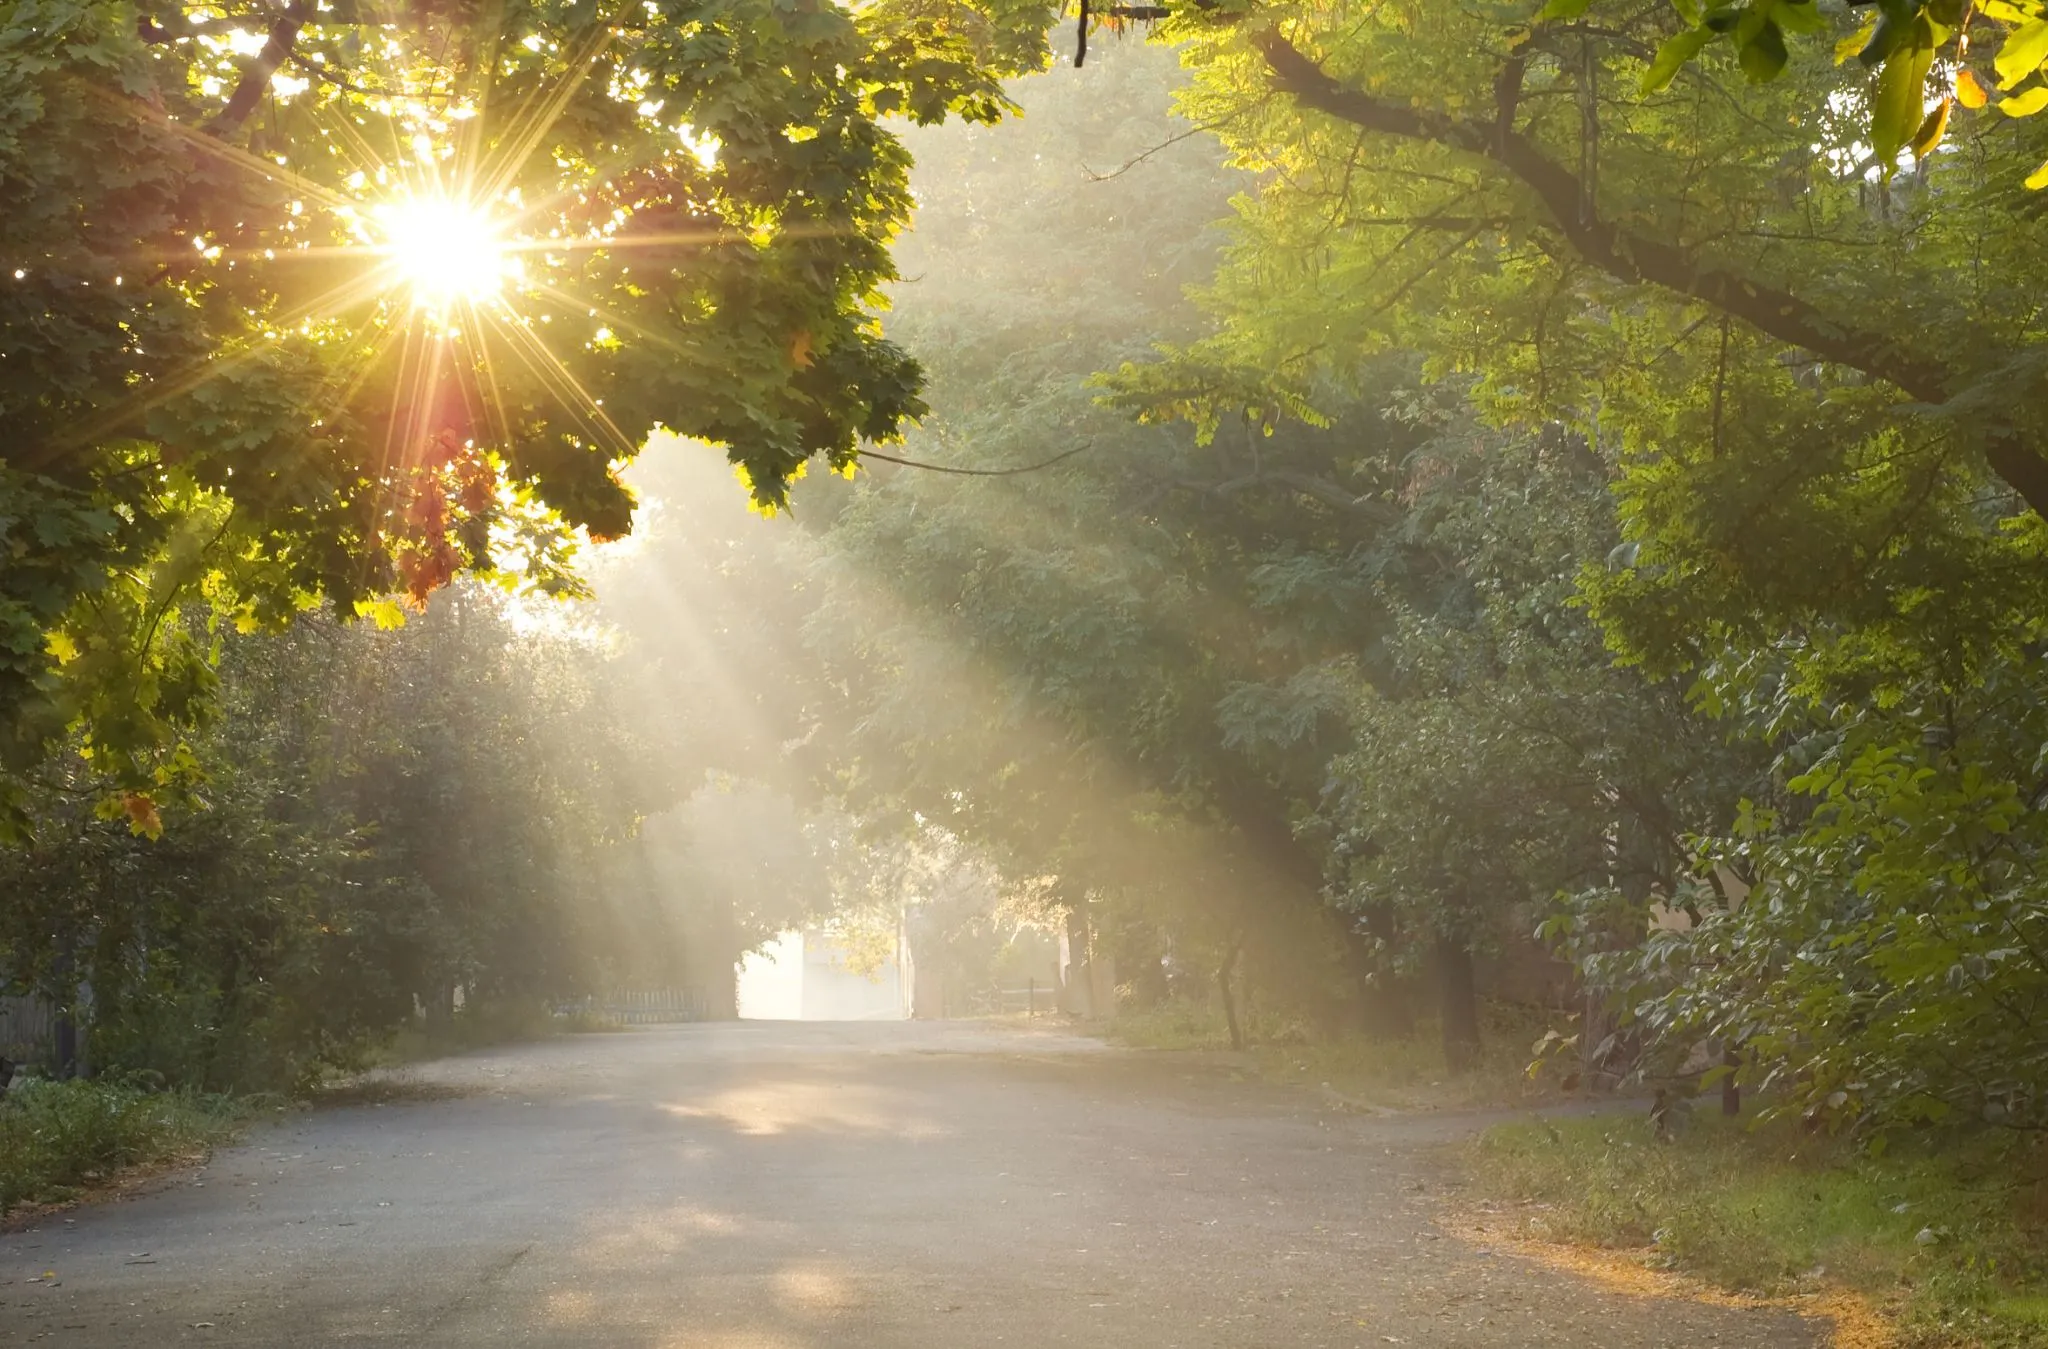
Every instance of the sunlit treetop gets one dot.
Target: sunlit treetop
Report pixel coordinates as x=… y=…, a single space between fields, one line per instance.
x=1814 y=362
x=1926 y=58
x=327 y=300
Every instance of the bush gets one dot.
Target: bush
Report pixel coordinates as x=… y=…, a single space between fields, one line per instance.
x=1953 y=1232
x=480 y=1025
x=59 y=1137
x=1397 y=1072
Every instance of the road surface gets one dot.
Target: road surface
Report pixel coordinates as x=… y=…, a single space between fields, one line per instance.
x=776 y=1185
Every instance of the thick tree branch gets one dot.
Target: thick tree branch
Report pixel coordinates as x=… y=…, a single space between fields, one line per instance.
x=1305 y=484
x=1638 y=260
x=284 y=36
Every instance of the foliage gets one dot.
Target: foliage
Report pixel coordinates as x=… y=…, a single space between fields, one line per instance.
x=1311 y=699
x=1812 y=395
x=1778 y=1210
x=1872 y=939
x=1353 y=1071
x=1813 y=387
x=1500 y=757
x=389 y=816
x=1999 y=45
x=58 y=1137
x=224 y=380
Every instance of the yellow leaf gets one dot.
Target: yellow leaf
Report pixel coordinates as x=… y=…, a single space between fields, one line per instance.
x=1932 y=128
x=61 y=647
x=1969 y=93
x=2022 y=53
x=2027 y=104
x=1856 y=41
x=2038 y=179
x=385 y=613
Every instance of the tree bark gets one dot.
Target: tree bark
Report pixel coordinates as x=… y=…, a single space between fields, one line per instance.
x=1458 y=988
x=1637 y=259
x=1075 y=992
x=255 y=81
x=1225 y=973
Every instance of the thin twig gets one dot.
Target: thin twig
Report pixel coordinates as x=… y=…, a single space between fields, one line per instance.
x=972 y=472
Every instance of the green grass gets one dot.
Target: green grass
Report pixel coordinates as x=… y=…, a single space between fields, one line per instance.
x=1950 y=1238
x=1406 y=1073
x=58 y=1139
x=482 y=1025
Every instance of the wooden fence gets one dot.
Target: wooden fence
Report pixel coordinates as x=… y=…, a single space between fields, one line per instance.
x=648 y=1006
x=28 y=1030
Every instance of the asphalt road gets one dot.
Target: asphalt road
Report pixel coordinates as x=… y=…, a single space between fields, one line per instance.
x=769 y=1186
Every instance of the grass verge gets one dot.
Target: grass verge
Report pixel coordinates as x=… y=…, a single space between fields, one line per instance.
x=60 y=1139
x=1948 y=1242
x=1365 y=1071
x=483 y=1026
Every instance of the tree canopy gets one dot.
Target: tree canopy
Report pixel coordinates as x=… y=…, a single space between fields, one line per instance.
x=322 y=303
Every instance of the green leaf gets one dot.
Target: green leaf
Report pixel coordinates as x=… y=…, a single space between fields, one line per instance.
x=1673 y=55
x=1897 y=104
x=1564 y=9
x=1764 y=55
x=2024 y=50
x=2027 y=104
x=1799 y=16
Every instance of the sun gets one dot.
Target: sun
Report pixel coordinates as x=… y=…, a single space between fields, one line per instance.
x=445 y=249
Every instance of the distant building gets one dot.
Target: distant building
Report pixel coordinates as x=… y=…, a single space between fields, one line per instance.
x=807 y=976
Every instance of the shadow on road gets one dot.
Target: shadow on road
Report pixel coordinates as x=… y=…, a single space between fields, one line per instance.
x=776 y=1186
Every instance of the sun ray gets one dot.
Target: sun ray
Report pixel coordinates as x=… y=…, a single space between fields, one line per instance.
x=715 y=234
x=522 y=142
x=469 y=136
x=545 y=364
x=368 y=161
x=611 y=319
x=268 y=169
x=493 y=395
x=340 y=298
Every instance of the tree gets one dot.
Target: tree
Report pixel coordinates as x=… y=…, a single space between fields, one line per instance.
x=317 y=303
x=1900 y=42
x=1500 y=758
x=1816 y=385
x=1819 y=392
x=1261 y=697
x=387 y=816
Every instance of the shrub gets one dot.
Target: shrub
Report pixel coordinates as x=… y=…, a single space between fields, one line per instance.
x=59 y=1137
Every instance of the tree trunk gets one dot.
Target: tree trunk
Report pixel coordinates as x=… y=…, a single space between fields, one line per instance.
x=1075 y=992
x=66 y=1044
x=1224 y=973
x=1458 y=989
x=64 y=1037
